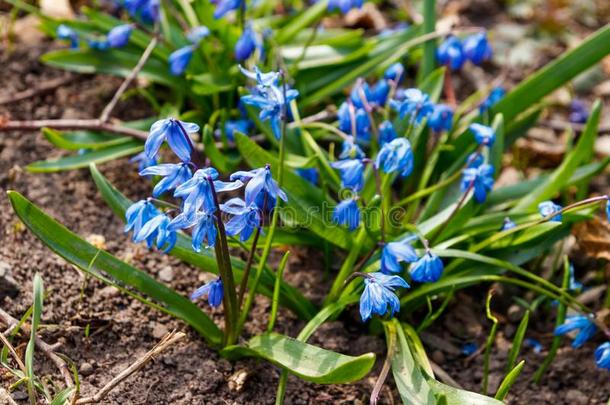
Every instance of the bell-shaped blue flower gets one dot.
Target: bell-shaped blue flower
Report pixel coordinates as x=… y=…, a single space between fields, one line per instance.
x=146 y=10
x=379 y=93
x=310 y=174
x=379 y=295
x=344 y=116
x=496 y=94
x=477 y=48
x=197 y=34
x=173 y=131
x=394 y=253
x=394 y=72
x=262 y=79
x=204 y=231
x=344 y=5
x=602 y=356
x=547 y=208
x=174 y=174
x=260 y=181
x=242 y=126
x=214 y=290
x=245 y=219
x=450 y=53
x=578 y=112
x=415 y=104
x=361 y=94
x=179 y=60
x=386 y=132
x=246 y=44
x=586 y=329
x=363 y=125
x=480 y=179
x=225 y=6
x=138 y=214
x=143 y=161
x=347 y=213
x=197 y=192
x=352 y=173
x=351 y=150
x=67 y=33
x=441 y=118
x=483 y=134
x=396 y=156
x=427 y=269
x=157 y=228
x=118 y=36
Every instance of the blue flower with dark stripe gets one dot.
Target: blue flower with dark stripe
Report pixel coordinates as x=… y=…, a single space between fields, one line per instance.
x=379 y=295
x=174 y=174
x=351 y=172
x=197 y=191
x=214 y=290
x=175 y=133
x=204 y=228
x=245 y=218
x=427 y=269
x=260 y=183
x=157 y=228
x=347 y=213
x=138 y=214
x=480 y=179
x=394 y=253
x=396 y=156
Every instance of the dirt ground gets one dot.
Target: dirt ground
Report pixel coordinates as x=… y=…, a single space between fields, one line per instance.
x=122 y=329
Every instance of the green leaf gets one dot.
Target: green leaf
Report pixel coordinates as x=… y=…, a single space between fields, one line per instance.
x=63 y=396
x=560 y=177
x=309 y=362
x=509 y=380
x=29 y=351
x=82 y=139
x=83 y=160
x=555 y=74
x=290 y=297
x=517 y=341
x=301 y=21
x=91 y=259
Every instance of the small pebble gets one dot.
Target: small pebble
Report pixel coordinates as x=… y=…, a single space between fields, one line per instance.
x=86 y=369
x=166 y=274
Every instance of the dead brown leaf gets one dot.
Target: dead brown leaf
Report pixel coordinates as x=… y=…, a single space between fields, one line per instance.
x=593 y=237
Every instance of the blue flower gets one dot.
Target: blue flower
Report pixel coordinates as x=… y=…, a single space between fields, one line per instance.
x=508 y=224
x=534 y=344
x=157 y=228
x=225 y=6
x=379 y=93
x=262 y=79
x=174 y=174
x=483 y=134
x=350 y=150
x=450 y=53
x=147 y=10
x=204 y=230
x=67 y=33
x=345 y=119
x=245 y=218
x=379 y=294
x=344 y=5
x=608 y=209
x=214 y=290
x=179 y=60
x=586 y=329
x=242 y=126
x=98 y=44
x=469 y=348
x=578 y=112
x=197 y=34
x=547 y=208
x=441 y=118
x=395 y=252
x=246 y=44
x=415 y=104
x=477 y=48
x=602 y=356
x=118 y=37
x=361 y=95
x=481 y=179
x=143 y=161
x=260 y=183
x=496 y=94
x=396 y=156
x=173 y=131
x=386 y=132
x=394 y=72
x=347 y=213
x=474 y=160
x=352 y=173
x=309 y=174
x=197 y=192
x=427 y=269
x=138 y=214
x=363 y=125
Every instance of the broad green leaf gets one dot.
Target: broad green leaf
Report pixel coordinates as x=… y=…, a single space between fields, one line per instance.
x=83 y=160
x=83 y=139
x=555 y=74
x=560 y=177
x=309 y=362
x=306 y=204
x=87 y=257
x=290 y=297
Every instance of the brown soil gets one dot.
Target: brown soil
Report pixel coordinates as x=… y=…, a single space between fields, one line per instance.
x=122 y=329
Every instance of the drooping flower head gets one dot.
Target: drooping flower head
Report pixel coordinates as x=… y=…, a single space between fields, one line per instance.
x=214 y=290
x=394 y=72
x=247 y=44
x=427 y=269
x=483 y=134
x=245 y=218
x=477 y=48
x=138 y=214
x=396 y=156
x=394 y=253
x=496 y=94
x=480 y=179
x=260 y=184
x=157 y=228
x=67 y=33
x=204 y=228
x=197 y=191
x=547 y=208
x=386 y=132
x=379 y=295
x=450 y=53
x=174 y=174
x=416 y=104
x=441 y=118
x=602 y=356
x=352 y=173
x=347 y=213
x=586 y=329
x=118 y=36
x=180 y=59
x=173 y=131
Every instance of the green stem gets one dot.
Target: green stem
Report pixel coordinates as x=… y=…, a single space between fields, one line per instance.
x=276 y=292
x=490 y=341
